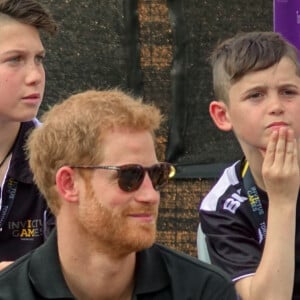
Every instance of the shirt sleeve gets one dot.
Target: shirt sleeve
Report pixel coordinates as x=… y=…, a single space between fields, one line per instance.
x=231 y=241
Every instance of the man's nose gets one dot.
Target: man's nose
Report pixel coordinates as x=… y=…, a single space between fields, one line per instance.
x=146 y=192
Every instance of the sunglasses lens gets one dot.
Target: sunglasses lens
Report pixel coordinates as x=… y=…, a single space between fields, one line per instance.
x=131 y=177
x=160 y=174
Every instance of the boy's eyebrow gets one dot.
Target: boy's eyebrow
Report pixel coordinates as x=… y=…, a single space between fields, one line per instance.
x=42 y=51
x=263 y=87
x=289 y=85
x=255 y=87
x=13 y=51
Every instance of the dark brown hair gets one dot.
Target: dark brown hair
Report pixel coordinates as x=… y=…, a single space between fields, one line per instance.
x=29 y=12
x=245 y=53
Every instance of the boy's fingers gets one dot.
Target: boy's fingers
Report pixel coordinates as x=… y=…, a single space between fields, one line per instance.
x=281 y=144
x=291 y=148
x=298 y=150
x=271 y=148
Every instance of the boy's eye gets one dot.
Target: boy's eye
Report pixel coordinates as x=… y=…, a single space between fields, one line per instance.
x=15 y=59
x=289 y=92
x=255 y=95
x=40 y=58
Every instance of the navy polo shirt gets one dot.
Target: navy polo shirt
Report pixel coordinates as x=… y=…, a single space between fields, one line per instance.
x=161 y=274
x=23 y=215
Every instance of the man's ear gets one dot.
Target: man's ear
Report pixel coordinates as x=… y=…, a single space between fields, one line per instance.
x=219 y=113
x=66 y=186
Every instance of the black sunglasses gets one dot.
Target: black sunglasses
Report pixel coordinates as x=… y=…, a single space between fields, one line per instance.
x=131 y=176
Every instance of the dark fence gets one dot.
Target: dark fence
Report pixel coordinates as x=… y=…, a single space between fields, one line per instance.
x=158 y=49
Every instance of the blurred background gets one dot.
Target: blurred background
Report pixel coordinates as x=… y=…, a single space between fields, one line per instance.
x=159 y=51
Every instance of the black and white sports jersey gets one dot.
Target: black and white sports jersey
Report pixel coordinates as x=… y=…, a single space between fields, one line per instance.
x=234 y=238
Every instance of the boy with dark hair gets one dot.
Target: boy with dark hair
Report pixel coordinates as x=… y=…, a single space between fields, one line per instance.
x=23 y=215
x=251 y=216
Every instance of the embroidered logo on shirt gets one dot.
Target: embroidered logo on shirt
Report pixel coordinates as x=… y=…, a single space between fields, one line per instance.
x=26 y=230
x=23 y=229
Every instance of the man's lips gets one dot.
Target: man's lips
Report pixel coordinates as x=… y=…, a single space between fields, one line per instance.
x=145 y=217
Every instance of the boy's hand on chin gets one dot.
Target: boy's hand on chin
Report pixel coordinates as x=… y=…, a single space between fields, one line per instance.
x=280 y=169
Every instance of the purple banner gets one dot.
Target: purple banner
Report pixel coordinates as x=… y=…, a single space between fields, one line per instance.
x=286 y=20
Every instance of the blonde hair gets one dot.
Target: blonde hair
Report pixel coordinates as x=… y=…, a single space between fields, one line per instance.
x=245 y=53
x=72 y=131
